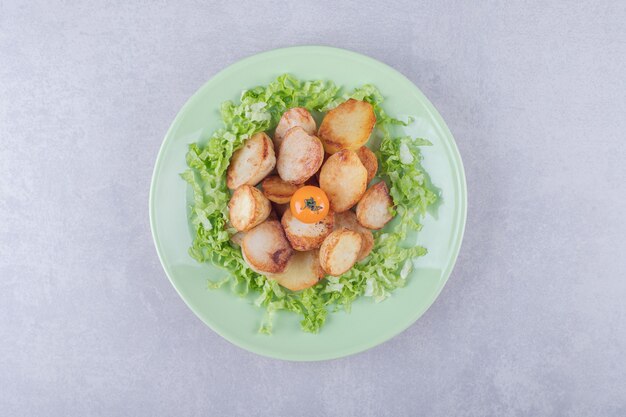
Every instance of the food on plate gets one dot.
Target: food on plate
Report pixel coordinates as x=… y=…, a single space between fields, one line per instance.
x=374 y=209
x=300 y=157
x=252 y=162
x=278 y=191
x=344 y=179
x=279 y=213
x=306 y=236
x=369 y=161
x=297 y=116
x=280 y=209
x=248 y=207
x=309 y=204
x=348 y=220
x=266 y=249
x=303 y=271
x=340 y=251
x=347 y=126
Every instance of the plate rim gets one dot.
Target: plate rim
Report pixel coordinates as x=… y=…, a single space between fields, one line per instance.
x=461 y=216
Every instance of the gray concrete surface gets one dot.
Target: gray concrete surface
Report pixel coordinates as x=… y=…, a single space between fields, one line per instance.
x=533 y=319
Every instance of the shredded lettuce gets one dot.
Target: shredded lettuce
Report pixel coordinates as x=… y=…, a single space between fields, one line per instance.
x=384 y=270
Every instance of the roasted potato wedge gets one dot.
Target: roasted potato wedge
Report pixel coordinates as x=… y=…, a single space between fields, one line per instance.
x=277 y=190
x=297 y=116
x=247 y=208
x=303 y=271
x=344 y=179
x=347 y=126
x=252 y=162
x=306 y=236
x=369 y=161
x=340 y=251
x=348 y=220
x=266 y=249
x=302 y=155
x=373 y=209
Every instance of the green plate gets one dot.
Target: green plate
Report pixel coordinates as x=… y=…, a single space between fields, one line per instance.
x=368 y=324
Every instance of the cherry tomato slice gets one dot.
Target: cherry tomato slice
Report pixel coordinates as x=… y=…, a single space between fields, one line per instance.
x=309 y=204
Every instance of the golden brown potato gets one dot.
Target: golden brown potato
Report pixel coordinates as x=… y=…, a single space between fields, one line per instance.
x=277 y=190
x=247 y=208
x=303 y=271
x=300 y=157
x=347 y=126
x=373 y=209
x=344 y=179
x=266 y=249
x=280 y=209
x=369 y=161
x=297 y=116
x=306 y=236
x=348 y=220
x=340 y=251
x=252 y=162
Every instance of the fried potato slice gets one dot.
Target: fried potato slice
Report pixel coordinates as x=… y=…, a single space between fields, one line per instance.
x=266 y=249
x=303 y=271
x=277 y=190
x=247 y=208
x=344 y=180
x=369 y=161
x=340 y=251
x=252 y=162
x=300 y=157
x=297 y=116
x=306 y=236
x=348 y=220
x=373 y=209
x=347 y=126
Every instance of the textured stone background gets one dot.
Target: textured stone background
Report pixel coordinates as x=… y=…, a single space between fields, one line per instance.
x=533 y=319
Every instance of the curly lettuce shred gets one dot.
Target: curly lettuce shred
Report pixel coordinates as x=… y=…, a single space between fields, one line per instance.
x=388 y=265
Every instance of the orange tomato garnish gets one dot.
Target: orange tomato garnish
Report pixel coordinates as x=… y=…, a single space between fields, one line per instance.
x=309 y=204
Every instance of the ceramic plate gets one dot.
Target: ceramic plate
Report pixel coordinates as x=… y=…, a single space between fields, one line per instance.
x=368 y=324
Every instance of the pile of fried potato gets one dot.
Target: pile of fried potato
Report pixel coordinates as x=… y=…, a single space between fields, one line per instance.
x=273 y=241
